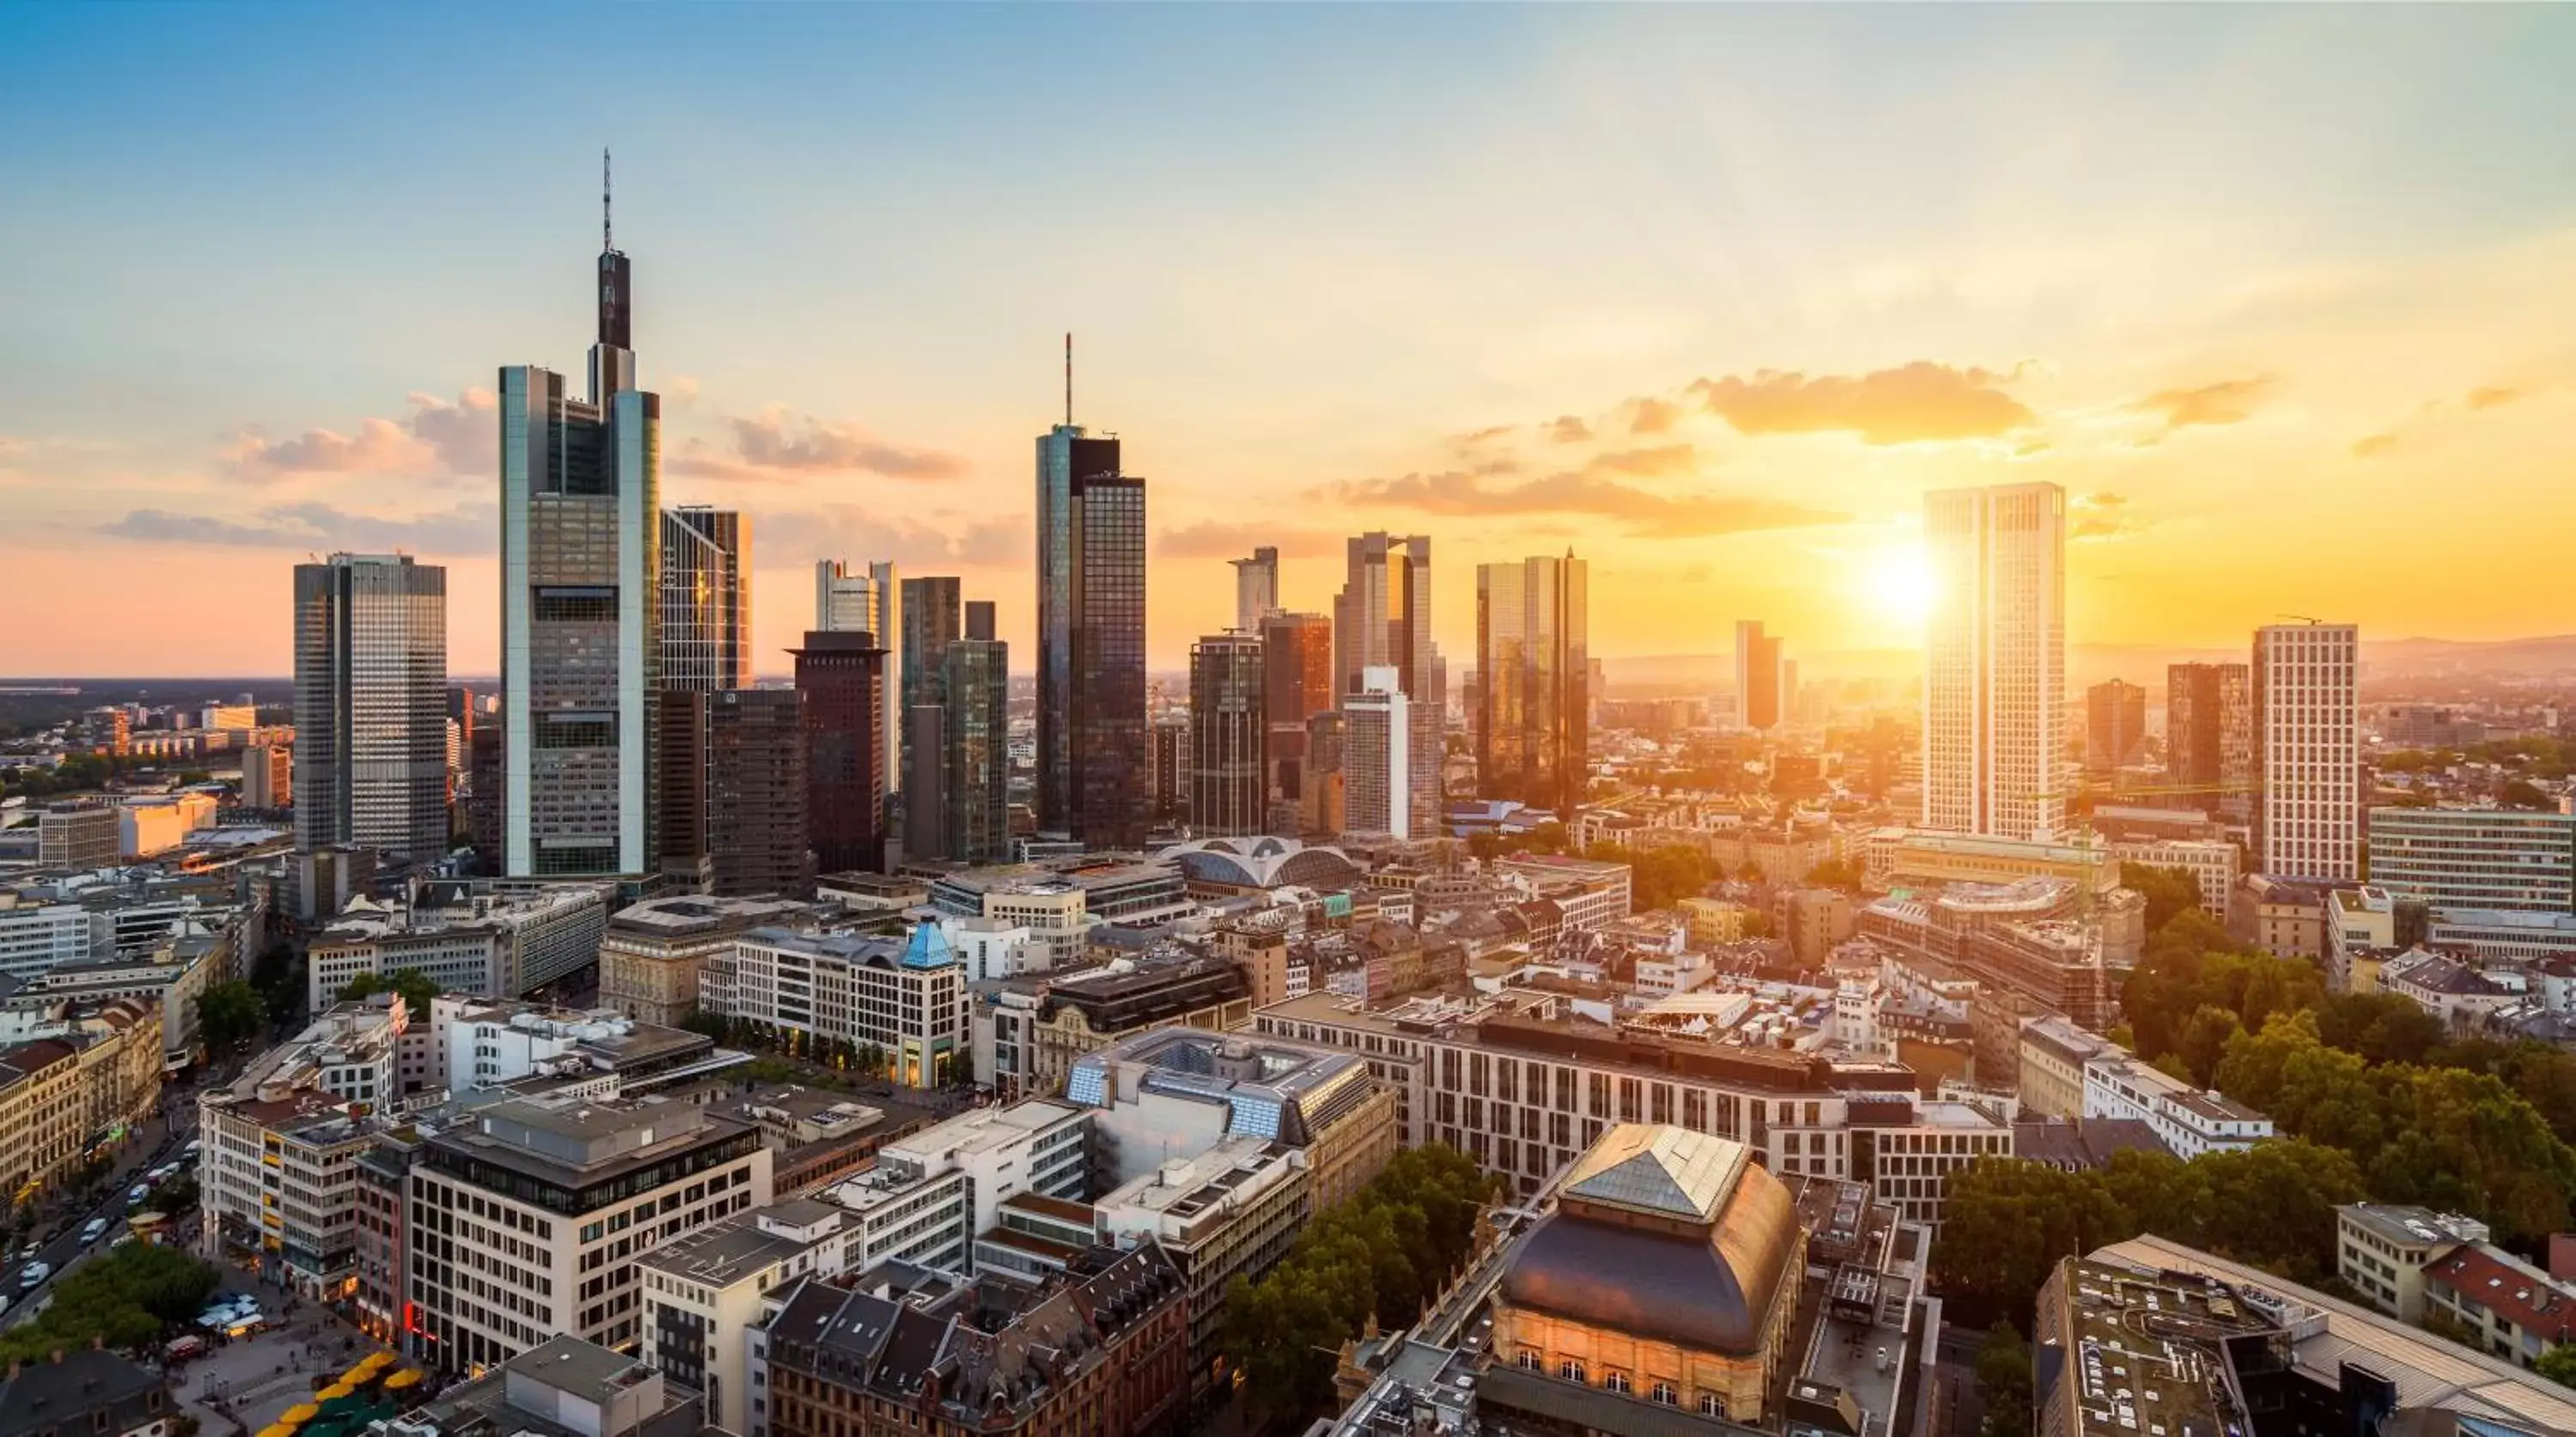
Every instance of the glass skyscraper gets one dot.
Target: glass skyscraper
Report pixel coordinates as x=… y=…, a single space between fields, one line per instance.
x=1092 y=744
x=1534 y=671
x=1382 y=619
x=370 y=764
x=976 y=736
x=1228 y=726
x=706 y=599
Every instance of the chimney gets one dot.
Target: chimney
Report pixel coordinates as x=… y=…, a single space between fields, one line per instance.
x=2562 y=1256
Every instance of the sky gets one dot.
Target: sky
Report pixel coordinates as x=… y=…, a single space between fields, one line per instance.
x=2284 y=298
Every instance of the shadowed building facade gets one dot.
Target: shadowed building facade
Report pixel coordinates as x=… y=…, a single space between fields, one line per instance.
x=842 y=677
x=1093 y=764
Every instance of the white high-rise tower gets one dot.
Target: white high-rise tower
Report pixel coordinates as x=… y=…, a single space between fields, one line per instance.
x=2307 y=750
x=1994 y=662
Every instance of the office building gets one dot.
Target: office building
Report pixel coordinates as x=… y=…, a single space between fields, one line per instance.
x=899 y=1000
x=842 y=676
x=581 y=573
x=495 y=945
x=2307 y=742
x=1533 y=668
x=521 y=1221
x=680 y=788
x=1181 y=1089
x=705 y=1294
x=975 y=743
x=1168 y=765
x=706 y=599
x=1669 y=1270
x=757 y=790
x=2482 y=859
x=1994 y=681
x=1092 y=743
x=1227 y=727
x=371 y=705
x=268 y=776
x=1757 y=677
x=932 y=620
x=2115 y=726
x=1297 y=660
x=2209 y=737
x=1377 y=759
x=850 y=602
x=1256 y=589
x=1382 y=619
x=77 y=836
x=652 y=952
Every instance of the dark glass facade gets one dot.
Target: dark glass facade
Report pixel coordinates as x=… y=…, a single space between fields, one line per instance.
x=1534 y=671
x=706 y=599
x=842 y=677
x=1297 y=684
x=1067 y=461
x=1228 y=724
x=370 y=764
x=756 y=793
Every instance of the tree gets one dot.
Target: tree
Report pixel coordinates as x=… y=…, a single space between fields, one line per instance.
x=2378 y=1027
x=2558 y=1364
x=2004 y=1381
x=2522 y=793
x=1834 y=873
x=230 y=1014
x=2168 y=891
x=416 y=988
x=124 y=1299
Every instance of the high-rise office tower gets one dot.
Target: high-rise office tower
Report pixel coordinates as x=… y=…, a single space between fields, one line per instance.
x=756 y=793
x=706 y=599
x=849 y=602
x=843 y=678
x=371 y=705
x=1382 y=619
x=581 y=571
x=1168 y=766
x=2115 y=725
x=1322 y=801
x=975 y=712
x=680 y=788
x=1994 y=670
x=1377 y=767
x=1256 y=589
x=1227 y=727
x=463 y=708
x=1533 y=665
x=268 y=776
x=1297 y=661
x=1092 y=743
x=1757 y=677
x=2307 y=740
x=931 y=622
x=2209 y=737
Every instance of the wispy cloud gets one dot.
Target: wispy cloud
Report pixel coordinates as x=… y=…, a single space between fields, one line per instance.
x=776 y=444
x=2493 y=396
x=931 y=542
x=2388 y=441
x=1569 y=429
x=466 y=529
x=2229 y=401
x=1213 y=539
x=1652 y=416
x=1642 y=512
x=1909 y=404
x=459 y=437
x=2104 y=515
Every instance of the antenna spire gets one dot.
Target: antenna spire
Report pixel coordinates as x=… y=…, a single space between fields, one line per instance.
x=607 y=235
x=1068 y=379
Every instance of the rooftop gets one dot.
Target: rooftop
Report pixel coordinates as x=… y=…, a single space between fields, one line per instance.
x=1666 y=1171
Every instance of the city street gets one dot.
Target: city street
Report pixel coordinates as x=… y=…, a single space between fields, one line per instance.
x=57 y=1236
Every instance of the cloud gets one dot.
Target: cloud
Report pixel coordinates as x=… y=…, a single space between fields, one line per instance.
x=1568 y=429
x=2103 y=515
x=1645 y=513
x=1652 y=416
x=436 y=437
x=777 y=445
x=318 y=527
x=1663 y=459
x=2372 y=446
x=2230 y=401
x=2485 y=396
x=1911 y=404
x=1009 y=540
x=2492 y=396
x=1213 y=539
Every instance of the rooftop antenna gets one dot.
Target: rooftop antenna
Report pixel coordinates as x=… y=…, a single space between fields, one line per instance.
x=607 y=241
x=1068 y=379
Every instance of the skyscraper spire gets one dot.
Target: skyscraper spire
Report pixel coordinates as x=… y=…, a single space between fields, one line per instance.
x=612 y=358
x=607 y=235
x=1068 y=378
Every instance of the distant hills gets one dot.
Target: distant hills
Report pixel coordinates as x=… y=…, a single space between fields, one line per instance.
x=2381 y=659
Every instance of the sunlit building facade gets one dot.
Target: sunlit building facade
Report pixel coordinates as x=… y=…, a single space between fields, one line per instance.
x=1994 y=673
x=370 y=764
x=1533 y=665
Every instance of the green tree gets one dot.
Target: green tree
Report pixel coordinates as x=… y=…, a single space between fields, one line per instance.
x=230 y=1014
x=2558 y=1364
x=2522 y=793
x=124 y=1299
x=2168 y=891
x=2378 y=1027
x=2004 y=1381
x=416 y=988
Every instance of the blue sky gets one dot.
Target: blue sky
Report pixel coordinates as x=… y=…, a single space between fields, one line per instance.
x=1305 y=250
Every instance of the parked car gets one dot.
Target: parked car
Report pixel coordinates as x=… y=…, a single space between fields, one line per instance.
x=93 y=1231
x=34 y=1273
x=135 y=1198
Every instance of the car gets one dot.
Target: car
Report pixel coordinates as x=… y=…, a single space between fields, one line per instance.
x=95 y=1229
x=136 y=1197
x=193 y=1148
x=34 y=1273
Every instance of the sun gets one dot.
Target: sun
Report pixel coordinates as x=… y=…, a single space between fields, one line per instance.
x=1896 y=584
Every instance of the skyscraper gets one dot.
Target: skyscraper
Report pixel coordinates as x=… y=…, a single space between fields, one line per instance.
x=2209 y=737
x=848 y=602
x=1757 y=677
x=1297 y=660
x=843 y=679
x=1994 y=671
x=706 y=599
x=581 y=570
x=975 y=712
x=2307 y=738
x=1533 y=665
x=931 y=609
x=2115 y=725
x=1092 y=744
x=1256 y=589
x=370 y=762
x=1377 y=765
x=1227 y=726
x=756 y=793
x=1382 y=619
x=1322 y=803
x=1168 y=766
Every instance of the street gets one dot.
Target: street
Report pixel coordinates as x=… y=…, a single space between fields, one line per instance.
x=58 y=1243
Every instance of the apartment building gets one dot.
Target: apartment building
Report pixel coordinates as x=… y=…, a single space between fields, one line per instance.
x=652 y=952
x=1594 y=894
x=2188 y=1121
x=902 y=998
x=2511 y=1309
x=704 y=1295
x=2381 y=1250
x=523 y=1219
x=2054 y=1055
x=43 y=1118
x=2212 y=863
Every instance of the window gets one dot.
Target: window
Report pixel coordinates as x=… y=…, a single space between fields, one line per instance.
x=1570 y=1370
x=1708 y=1404
x=1615 y=1382
x=1663 y=1395
x=1528 y=1360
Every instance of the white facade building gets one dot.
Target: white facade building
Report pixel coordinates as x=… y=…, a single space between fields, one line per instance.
x=2307 y=750
x=2495 y=860
x=2187 y=1120
x=36 y=938
x=905 y=998
x=1994 y=681
x=1377 y=763
x=930 y=1195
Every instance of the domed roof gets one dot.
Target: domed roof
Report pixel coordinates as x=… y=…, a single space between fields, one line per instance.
x=1663 y=1233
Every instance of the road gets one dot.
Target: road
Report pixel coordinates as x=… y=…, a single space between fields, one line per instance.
x=155 y=1141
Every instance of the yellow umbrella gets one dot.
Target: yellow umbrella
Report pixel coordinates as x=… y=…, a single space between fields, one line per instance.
x=334 y=1392
x=300 y=1413
x=408 y=1377
x=279 y=1430
x=374 y=1361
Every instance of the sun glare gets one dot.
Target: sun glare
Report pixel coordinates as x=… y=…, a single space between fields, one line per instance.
x=1898 y=585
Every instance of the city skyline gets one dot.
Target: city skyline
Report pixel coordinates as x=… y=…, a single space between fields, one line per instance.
x=1736 y=398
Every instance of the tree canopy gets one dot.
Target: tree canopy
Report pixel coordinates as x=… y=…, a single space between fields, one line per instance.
x=2168 y=891
x=416 y=988
x=1660 y=877
x=125 y=1299
x=230 y=1014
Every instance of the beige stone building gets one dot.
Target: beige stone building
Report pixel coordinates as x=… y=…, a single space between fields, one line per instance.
x=653 y=952
x=41 y=1117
